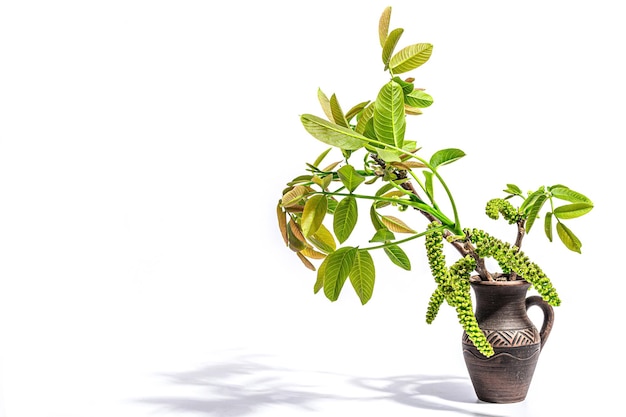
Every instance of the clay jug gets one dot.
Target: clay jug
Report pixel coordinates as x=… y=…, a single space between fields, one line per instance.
x=501 y=314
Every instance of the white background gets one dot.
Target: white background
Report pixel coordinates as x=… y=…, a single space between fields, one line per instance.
x=143 y=148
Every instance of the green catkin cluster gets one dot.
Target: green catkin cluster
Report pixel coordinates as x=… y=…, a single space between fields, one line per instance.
x=498 y=206
x=453 y=287
x=510 y=258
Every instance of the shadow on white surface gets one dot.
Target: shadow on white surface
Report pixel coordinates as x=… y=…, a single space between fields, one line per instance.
x=246 y=386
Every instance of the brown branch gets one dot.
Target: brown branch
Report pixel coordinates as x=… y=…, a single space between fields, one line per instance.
x=521 y=232
x=464 y=248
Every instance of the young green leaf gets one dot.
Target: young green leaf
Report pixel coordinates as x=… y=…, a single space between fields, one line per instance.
x=312 y=253
x=534 y=210
x=531 y=199
x=407 y=87
x=430 y=191
x=345 y=218
x=571 y=211
x=366 y=116
x=383 y=25
x=349 y=177
x=383 y=235
x=337 y=112
x=390 y=45
x=319 y=282
x=419 y=99
x=513 y=189
x=389 y=118
x=410 y=57
x=564 y=193
x=332 y=134
x=313 y=215
x=568 y=238
x=332 y=205
x=362 y=275
x=300 y=179
x=547 y=225
x=446 y=156
x=295 y=238
x=356 y=110
x=325 y=103
x=396 y=225
x=389 y=155
x=323 y=240
x=375 y=218
x=338 y=267
x=320 y=158
x=398 y=257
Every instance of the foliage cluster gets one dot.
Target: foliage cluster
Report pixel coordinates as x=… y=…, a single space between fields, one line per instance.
x=376 y=155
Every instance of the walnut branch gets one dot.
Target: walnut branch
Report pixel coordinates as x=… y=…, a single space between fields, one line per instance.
x=463 y=247
x=521 y=232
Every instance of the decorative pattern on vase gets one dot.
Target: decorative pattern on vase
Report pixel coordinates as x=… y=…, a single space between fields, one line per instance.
x=509 y=338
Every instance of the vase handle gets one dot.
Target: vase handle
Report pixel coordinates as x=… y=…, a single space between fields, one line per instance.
x=548 y=316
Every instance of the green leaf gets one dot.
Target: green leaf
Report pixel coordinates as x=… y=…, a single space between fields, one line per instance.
x=319 y=282
x=332 y=134
x=564 y=193
x=349 y=177
x=389 y=117
x=323 y=240
x=338 y=267
x=530 y=200
x=429 y=185
x=300 y=179
x=362 y=275
x=384 y=189
x=383 y=235
x=419 y=99
x=320 y=158
x=445 y=156
x=390 y=45
x=375 y=218
x=332 y=205
x=345 y=218
x=571 y=211
x=356 y=110
x=313 y=215
x=411 y=57
x=513 y=189
x=407 y=87
x=383 y=25
x=398 y=257
x=365 y=116
x=389 y=155
x=568 y=238
x=533 y=213
x=337 y=112
x=295 y=238
x=547 y=225
x=325 y=103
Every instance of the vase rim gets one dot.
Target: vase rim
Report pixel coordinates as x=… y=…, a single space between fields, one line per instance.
x=475 y=280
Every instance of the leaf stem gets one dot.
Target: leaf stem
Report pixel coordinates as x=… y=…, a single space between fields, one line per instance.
x=421 y=206
x=399 y=242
